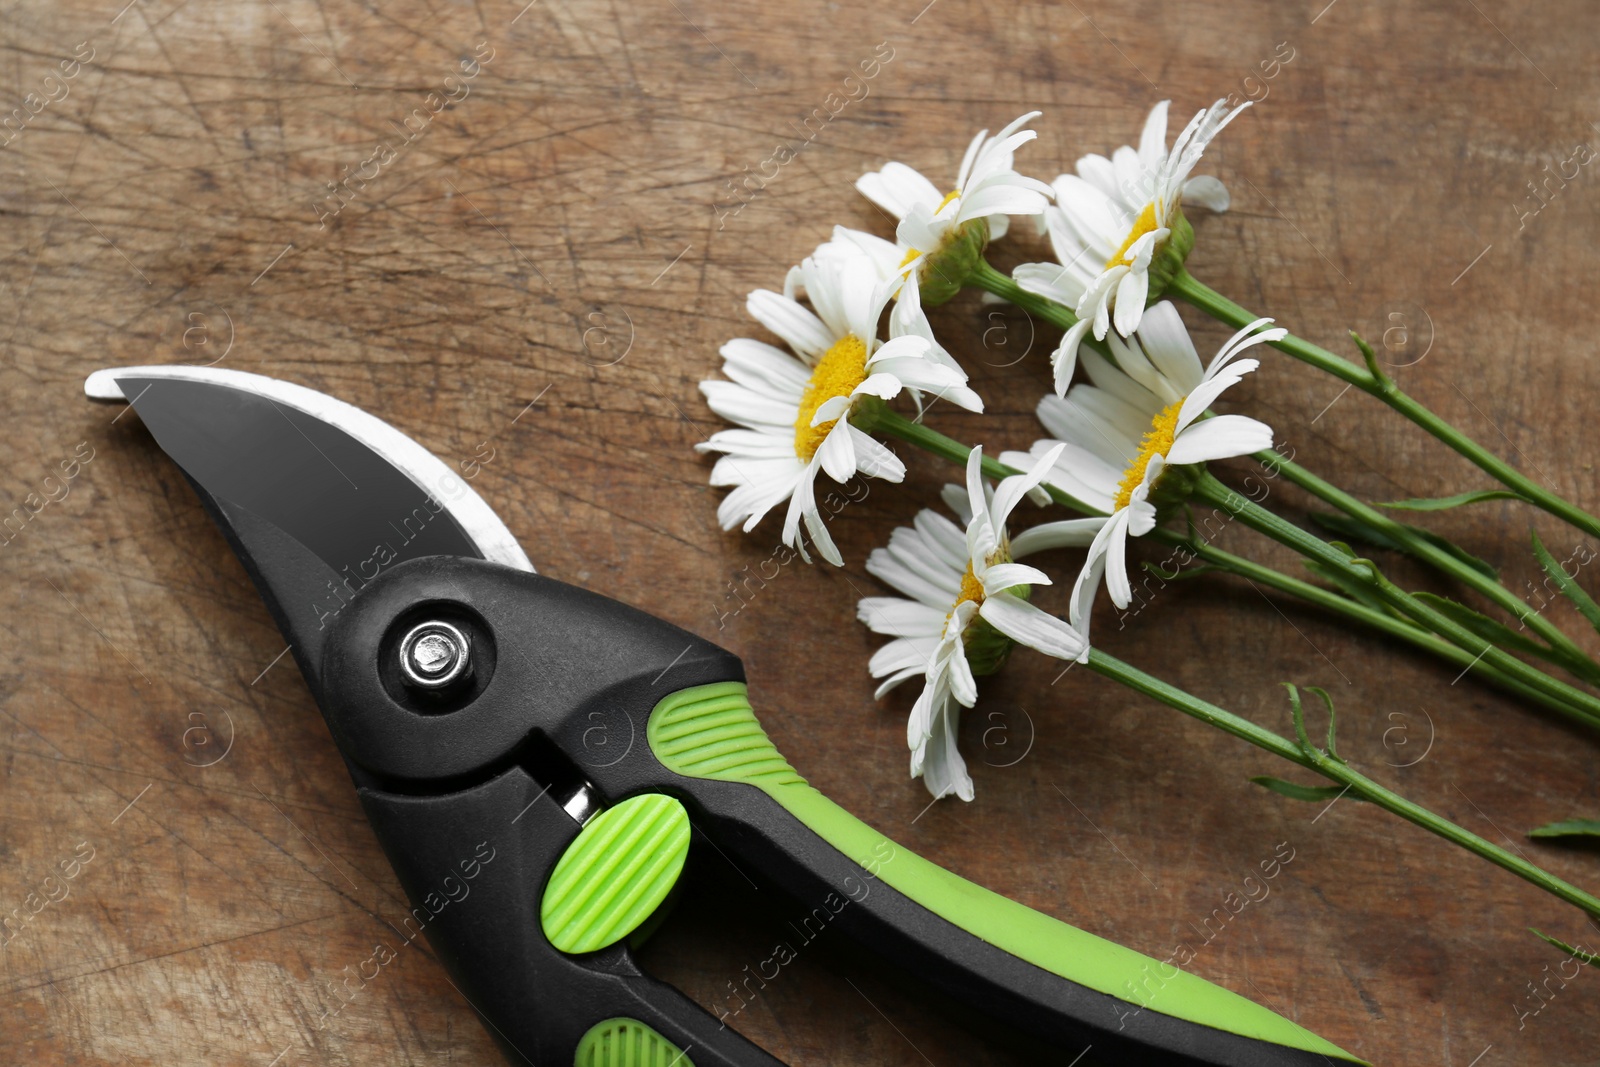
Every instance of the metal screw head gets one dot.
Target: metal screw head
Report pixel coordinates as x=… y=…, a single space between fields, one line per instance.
x=434 y=654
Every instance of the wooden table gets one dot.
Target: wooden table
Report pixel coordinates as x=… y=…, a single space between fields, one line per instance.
x=538 y=276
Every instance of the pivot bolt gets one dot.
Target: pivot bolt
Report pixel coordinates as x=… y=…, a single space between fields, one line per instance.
x=435 y=654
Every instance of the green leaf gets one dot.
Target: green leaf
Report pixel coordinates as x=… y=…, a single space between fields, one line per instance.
x=1491 y=630
x=1295 y=791
x=1333 y=718
x=1367 y=534
x=1568 y=828
x=1445 y=503
x=1569 y=588
x=1155 y=570
x=1298 y=714
x=1357 y=591
x=1577 y=954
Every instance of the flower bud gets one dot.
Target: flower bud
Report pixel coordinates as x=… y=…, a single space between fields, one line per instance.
x=946 y=269
x=1169 y=256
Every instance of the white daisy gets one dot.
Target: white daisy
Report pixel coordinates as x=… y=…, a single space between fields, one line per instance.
x=986 y=188
x=1114 y=219
x=968 y=604
x=1114 y=438
x=888 y=259
x=795 y=409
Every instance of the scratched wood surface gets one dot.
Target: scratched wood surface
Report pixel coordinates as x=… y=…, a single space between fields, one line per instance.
x=266 y=184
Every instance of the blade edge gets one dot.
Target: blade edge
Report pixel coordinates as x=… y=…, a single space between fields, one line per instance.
x=429 y=473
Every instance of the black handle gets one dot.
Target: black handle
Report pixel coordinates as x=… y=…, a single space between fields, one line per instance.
x=600 y=699
x=474 y=879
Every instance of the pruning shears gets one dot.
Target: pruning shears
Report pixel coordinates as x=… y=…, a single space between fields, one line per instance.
x=587 y=749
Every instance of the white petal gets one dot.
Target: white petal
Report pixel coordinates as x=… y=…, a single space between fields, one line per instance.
x=1088 y=583
x=1221 y=437
x=907 y=345
x=913 y=581
x=886 y=386
x=830 y=410
x=1117 y=561
x=1011 y=490
x=737 y=404
x=1065 y=533
x=820 y=538
x=1051 y=281
x=900 y=618
x=873 y=458
x=1125 y=379
x=895 y=679
x=1064 y=360
x=943 y=770
x=838 y=454
x=1206 y=191
x=799 y=328
x=1131 y=293
x=1153 y=139
x=750 y=444
x=1029 y=625
x=897 y=187
x=1170 y=350
x=1008 y=199
x=1098 y=172
x=1002 y=576
x=802 y=500
x=751 y=362
x=1205 y=394
x=1073 y=423
x=978 y=505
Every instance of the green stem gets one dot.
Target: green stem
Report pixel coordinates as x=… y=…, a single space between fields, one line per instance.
x=1564 y=698
x=1381 y=621
x=916 y=433
x=1371 y=380
x=1435 y=556
x=993 y=281
x=1341 y=773
x=1333 y=769
x=896 y=425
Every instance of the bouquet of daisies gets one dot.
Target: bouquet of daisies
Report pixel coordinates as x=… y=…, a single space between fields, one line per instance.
x=1127 y=432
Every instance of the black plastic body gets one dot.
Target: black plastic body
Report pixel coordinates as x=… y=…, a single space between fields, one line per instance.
x=572 y=678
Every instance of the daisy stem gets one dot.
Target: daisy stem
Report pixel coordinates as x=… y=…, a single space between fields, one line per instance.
x=1371 y=380
x=937 y=443
x=1565 y=698
x=1337 y=603
x=1580 y=664
x=897 y=425
x=1335 y=769
x=988 y=279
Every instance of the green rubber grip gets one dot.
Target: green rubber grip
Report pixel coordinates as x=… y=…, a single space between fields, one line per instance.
x=615 y=874
x=710 y=731
x=627 y=1043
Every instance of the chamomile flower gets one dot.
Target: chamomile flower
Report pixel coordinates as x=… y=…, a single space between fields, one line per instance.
x=906 y=316
x=941 y=235
x=968 y=604
x=1117 y=226
x=1132 y=439
x=794 y=408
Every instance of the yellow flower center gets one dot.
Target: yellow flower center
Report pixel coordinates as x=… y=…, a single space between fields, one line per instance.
x=913 y=253
x=1157 y=442
x=1145 y=223
x=971 y=589
x=841 y=368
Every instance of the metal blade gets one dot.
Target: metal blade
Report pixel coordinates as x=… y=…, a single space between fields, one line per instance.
x=317 y=496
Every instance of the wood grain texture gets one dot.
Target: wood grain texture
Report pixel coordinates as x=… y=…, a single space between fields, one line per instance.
x=563 y=236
